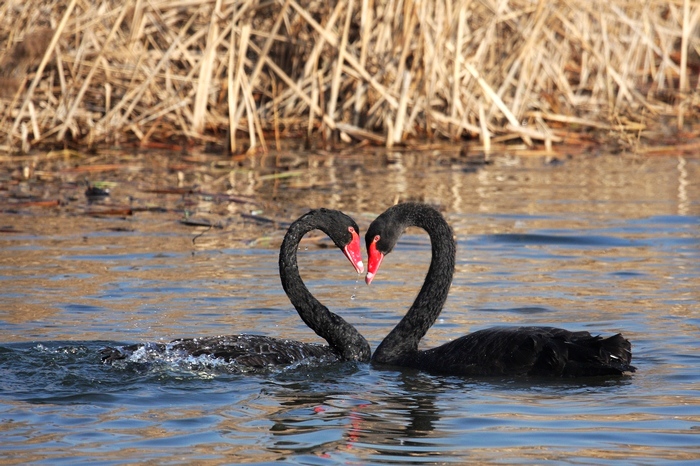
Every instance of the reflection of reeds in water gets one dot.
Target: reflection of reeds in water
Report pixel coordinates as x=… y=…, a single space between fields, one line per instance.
x=385 y=72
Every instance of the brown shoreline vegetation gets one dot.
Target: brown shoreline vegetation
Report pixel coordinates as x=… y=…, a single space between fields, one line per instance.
x=241 y=75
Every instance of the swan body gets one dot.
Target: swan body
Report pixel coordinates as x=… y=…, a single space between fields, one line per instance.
x=498 y=351
x=245 y=350
x=345 y=343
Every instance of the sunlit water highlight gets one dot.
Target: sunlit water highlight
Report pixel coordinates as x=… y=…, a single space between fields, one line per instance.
x=537 y=245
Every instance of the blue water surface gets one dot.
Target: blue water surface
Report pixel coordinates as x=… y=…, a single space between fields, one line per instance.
x=537 y=245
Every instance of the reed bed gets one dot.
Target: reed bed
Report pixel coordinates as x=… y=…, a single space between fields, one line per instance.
x=244 y=74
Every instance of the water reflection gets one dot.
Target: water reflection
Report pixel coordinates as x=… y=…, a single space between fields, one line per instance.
x=368 y=182
x=683 y=202
x=328 y=424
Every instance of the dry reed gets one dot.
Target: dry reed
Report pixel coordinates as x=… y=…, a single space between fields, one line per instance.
x=383 y=72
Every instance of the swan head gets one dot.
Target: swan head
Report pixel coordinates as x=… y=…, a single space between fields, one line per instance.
x=345 y=234
x=353 y=250
x=374 y=259
x=380 y=239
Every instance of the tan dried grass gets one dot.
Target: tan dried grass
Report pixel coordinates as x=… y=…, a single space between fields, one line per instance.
x=137 y=72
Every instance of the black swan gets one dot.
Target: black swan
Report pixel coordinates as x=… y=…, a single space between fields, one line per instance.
x=344 y=342
x=499 y=351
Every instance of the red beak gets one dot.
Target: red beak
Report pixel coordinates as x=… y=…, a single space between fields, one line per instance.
x=373 y=262
x=353 y=252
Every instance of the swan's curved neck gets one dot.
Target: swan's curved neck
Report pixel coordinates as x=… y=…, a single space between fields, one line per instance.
x=404 y=338
x=339 y=334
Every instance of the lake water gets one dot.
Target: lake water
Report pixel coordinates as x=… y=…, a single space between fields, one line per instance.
x=604 y=244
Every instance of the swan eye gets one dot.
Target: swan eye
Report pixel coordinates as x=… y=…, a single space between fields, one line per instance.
x=376 y=239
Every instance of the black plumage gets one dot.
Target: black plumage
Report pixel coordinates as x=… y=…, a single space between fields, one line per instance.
x=498 y=351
